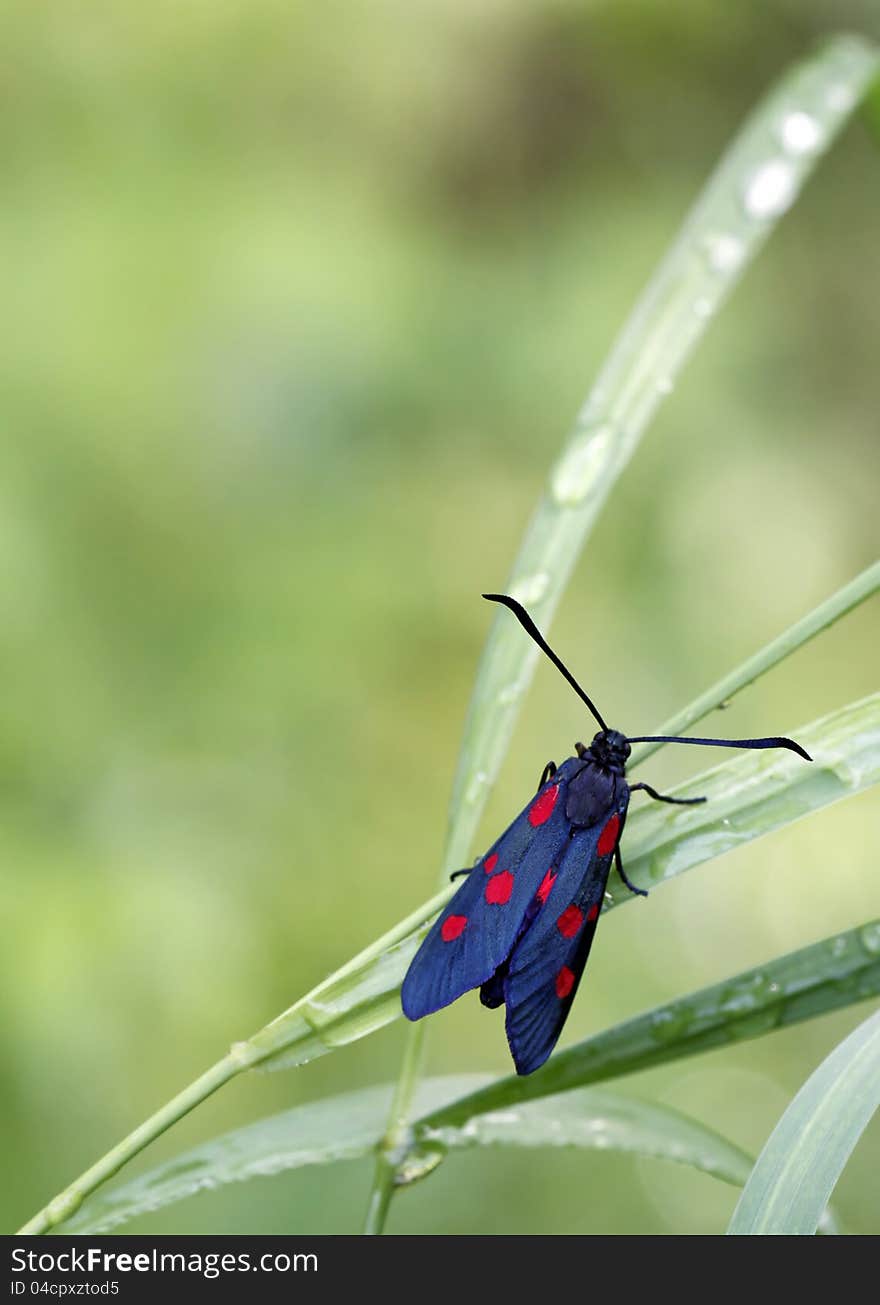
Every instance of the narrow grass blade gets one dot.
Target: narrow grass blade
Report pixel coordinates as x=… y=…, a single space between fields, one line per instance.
x=805 y=1154
x=364 y=995
x=754 y=793
x=348 y=1127
x=750 y=794
x=321 y=1132
x=756 y=181
x=814 y=980
x=860 y=588
x=600 y=1119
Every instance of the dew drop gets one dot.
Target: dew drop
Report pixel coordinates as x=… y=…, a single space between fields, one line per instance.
x=418 y=1164
x=750 y=1026
x=870 y=937
x=746 y=994
x=724 y=252
x=770 y=189
x=580 y=467
x=509 y=694
x=531 y=588
x=668 y=1025
x=800 y=133
x=476 y=786
x=839 y=946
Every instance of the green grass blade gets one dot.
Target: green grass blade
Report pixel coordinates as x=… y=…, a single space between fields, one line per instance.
x=750 y=794
x=595 y=1118
x=364 y=995
x=753 y=185
x=814 y=980
x=805 y=1154
x=756 y=181
x=321 y=1132
x=863 y=586
x=753 y=794
x=349 y=1126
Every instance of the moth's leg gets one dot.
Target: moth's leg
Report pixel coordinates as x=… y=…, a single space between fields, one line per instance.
x=456 y=874
x=639 y=892
x=662 y=797
x=547 y=773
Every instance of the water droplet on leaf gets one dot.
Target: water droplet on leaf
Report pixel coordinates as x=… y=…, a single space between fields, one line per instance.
x=800 y=133
x=770 y=189
x=724 y=252
x=870 y=937
x=580 y=468
x=530 y=589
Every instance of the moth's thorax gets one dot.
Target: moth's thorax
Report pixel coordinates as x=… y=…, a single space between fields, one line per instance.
x=609 y=750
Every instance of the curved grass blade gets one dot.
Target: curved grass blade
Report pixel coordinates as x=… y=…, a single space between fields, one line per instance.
x=811 y=981
x=725 y=229
x=753 y=185
x=592 y=1117
x=548 y=1108
x=349 y=1126
x=820 y=618
x=749 y=794
x=756 y=181
x=364 y=995
x=805 y=1154
x=321 y=1132
x=755 y=793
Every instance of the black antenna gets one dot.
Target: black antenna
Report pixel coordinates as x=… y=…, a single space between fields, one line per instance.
x=727 y=743
x=532 y=630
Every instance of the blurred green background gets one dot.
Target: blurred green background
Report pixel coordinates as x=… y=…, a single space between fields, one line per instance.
x=301 y=302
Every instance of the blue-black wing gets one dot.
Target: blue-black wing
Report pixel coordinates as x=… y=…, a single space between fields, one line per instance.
x=479 y=927
x=546 y=965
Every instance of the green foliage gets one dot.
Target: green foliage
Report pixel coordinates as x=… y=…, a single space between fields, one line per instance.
x=755 y=183
x=553 y=1107
x=750 y=794
x=797 y=1170
x=752 y=187
x=824 y=977
x=349 y=1126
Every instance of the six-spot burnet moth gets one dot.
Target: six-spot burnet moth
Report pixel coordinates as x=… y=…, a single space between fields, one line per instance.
x=521 y=925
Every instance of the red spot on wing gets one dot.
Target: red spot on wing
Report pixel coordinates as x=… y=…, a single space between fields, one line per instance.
x=499 y=888
x=452 y=927
x=564 y=982
x=490 y=863
x=542 y=807
x=546 y=884
x=570 y=921
x=608 y=838
x=593 y=913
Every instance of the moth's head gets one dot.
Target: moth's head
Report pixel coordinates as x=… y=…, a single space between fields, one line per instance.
x=610 y=750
